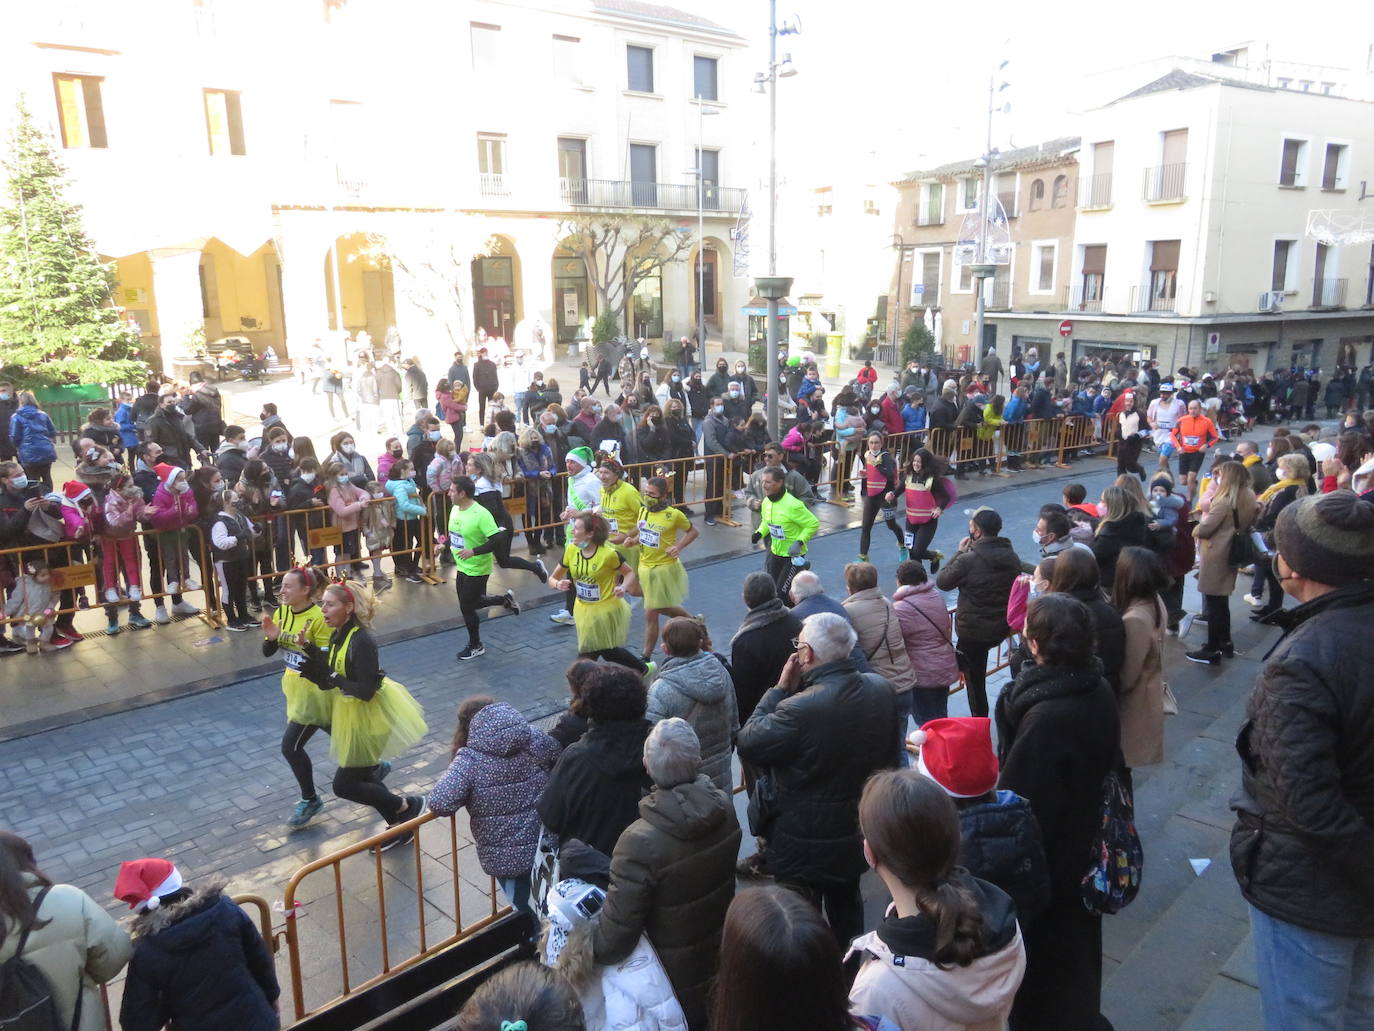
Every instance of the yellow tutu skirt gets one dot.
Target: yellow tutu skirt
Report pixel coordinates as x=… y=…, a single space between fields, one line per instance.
x=665 y=586
x=306 y=704
x=601 y=624
x=630 y=555
x=365 y=733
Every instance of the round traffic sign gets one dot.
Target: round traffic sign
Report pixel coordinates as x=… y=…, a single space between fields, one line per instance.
x=1066 y=328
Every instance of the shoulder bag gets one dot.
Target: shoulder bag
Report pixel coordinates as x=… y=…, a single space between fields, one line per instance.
x=1116 y=858
x=1242 y=550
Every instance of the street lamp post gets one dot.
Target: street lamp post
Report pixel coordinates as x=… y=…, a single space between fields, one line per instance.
x=700 y=172
x=983 y=269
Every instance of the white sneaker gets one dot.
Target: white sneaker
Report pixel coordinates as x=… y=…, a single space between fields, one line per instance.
x=191 y=585
x=1185 y=624
x=111 y=595
x=135 y=594
x=1251 y=600
x=173 y=586
x=185 y=608
x=562 y=617
x=160 y=615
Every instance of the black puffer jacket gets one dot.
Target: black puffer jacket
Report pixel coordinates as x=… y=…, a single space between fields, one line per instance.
x=984 y=575
x=1304 y=833
x=672 y=878
x=1133 y=531
x=593 y=792
x=819 y=746
x=759 y=650
x=1001 y=844
x=1111 y=634
x=199 y=964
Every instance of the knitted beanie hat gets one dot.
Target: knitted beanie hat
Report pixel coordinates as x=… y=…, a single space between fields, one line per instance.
x=1328 y=538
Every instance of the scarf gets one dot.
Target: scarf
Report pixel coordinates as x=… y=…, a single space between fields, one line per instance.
x=765 y=615
x=1280 y=485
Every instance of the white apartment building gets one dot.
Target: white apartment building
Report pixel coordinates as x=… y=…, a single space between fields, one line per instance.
x=280 y=170
x=1190 y=241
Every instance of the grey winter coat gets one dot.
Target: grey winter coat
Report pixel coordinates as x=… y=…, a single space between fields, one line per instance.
x=499 y=775
x=699 y=689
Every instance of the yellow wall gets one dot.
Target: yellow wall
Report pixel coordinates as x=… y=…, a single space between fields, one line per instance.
x=134 y=288
x=242 y=286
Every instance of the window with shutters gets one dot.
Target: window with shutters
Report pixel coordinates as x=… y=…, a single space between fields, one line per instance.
x=1163 y=274
x=224 y=122
x=1094 y=271
x=704 y=78
x=1293 y=163
x=1285 y=272
x=1334 y=166
x=1044 y=262
x=486 y=47
x=641 y=68
x=80 y=111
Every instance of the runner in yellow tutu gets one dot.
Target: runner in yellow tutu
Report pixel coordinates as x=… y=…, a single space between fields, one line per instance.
x=619 y=506
x=308 y=709
x=375 y=718
x=590 y=567
x=661 y=533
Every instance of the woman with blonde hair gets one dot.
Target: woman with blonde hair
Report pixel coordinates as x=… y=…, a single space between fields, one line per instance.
x=1123 y=525
x=1136 y=490
x=1233 y=511
x=1289 y=486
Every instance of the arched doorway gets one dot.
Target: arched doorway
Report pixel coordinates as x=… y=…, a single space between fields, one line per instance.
x=241 y=295
x=574 y=299
x=496 y=289
x=710 y=275
x=360 y=289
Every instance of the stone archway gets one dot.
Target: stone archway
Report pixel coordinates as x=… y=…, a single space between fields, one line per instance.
x=360 y=291
x=574 y=296
x=496 y=289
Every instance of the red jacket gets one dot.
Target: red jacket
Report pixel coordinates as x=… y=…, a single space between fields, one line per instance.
x=892 y=415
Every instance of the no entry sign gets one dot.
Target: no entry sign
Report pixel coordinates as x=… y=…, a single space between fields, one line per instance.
x=1066 y=328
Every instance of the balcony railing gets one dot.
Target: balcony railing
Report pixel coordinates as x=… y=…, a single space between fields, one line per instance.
x=1075 y=301
x=1008 y=202
x=1143 y=299
x=620 y=193
x=1328 y=293
x=1166 y=182
x=493 y=184
x=931 y=218
x=998 y=294
x=1095 y=191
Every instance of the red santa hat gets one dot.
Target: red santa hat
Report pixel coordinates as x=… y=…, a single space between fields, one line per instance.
x=956 y=753
x=75 y=490
x=165 y=471
x=142 y=882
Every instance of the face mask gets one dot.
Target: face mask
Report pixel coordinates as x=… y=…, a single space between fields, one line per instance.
x=19 y=482
x=279 y=448
x=343 y=480
x=348 y=449
x=739 y=368
x=307 y=477
x=677 y=379
x=181 y=487
x=395 y=452
x=718 y=409
x=379 y=494
x=410 y=477
x=876 y=411
x=433 y=434
x=5 y=396
x=550 y=428
x=1037 y=538
x=734 y=393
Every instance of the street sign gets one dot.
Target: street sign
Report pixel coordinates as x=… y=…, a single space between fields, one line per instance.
x=1213 y=343
x=1066 y=328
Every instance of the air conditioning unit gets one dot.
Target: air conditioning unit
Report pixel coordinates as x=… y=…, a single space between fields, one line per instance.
x=1271 y=301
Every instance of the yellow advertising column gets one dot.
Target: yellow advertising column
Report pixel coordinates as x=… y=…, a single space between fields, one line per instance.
x=834 y=351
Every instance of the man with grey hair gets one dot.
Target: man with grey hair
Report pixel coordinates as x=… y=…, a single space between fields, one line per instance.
x=673 y=870
x=809 y=598
x=819 y=735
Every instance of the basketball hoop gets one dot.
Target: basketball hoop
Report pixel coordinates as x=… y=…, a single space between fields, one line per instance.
x=1337 y=227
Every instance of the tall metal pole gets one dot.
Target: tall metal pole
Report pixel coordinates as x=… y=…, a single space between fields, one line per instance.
x=984 y=208
x=701 y=236
x=774 y=423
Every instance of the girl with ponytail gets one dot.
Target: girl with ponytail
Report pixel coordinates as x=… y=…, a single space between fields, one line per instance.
x=948 y=954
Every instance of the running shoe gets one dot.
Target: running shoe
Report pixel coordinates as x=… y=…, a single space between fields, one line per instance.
x=1186 y=623
x=191 y=585
x=67 y=633
x=242 y=626
x=112 y=628
x=306 y=810
x=1252 y=601
x=650 y=668
x=861 y=558
x=185 y=608
x=511 y=603
x=562 y=617
x=472 y=651
x=415 y=578
x=135 y=593
x=380 y=584
x=137 y=621
x=415 y=805
x=111 y=595
x=710 y=520
x=936 y=557
x=1206 y=656
x=903 y=554
x=160 y=615
x=173 y=586
x=543 y=569
x=8 y=647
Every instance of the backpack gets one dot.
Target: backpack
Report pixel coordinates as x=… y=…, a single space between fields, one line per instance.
x=26 y=1000
x=141 y=426
x=1116 y=857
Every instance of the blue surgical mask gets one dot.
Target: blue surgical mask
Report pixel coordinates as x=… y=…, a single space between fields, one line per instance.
x=19 y=482
x=433 y=434
x=677 y=379
x=343 y=480
x=5 y=395
x=550 y=428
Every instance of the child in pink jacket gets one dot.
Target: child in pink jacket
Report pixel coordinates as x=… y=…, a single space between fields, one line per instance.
x=174 y=509
x=124 y=509
x=347 y=502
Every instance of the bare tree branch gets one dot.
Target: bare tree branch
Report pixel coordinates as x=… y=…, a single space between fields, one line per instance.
x=620 y=251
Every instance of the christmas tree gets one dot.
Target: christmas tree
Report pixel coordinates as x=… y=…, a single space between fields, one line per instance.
x=58 y=323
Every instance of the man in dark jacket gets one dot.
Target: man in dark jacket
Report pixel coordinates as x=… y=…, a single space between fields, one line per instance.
x=206 y=410
x=673 y=871
x=458 y=371
x=166 y=427
x=1304 y=831
x=416 y=383
x=762 y=644
x=991 y=368
x=820 y=733
x=808 y=598
x=389 y=392
x=983 y=570
x=593 y=793
x=486 y=381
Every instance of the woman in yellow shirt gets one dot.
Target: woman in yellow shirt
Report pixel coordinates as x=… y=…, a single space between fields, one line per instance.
x=661 y=532
x=620 y=505
x=591 y=567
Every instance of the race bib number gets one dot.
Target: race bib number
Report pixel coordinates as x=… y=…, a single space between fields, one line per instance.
x=887 y=514
x=588 y=592
x=294 y=660
x=648 y=536
x=455 y=541
x=908 y=540
x=775 y=531
x=1192 y=441
x=614 y=524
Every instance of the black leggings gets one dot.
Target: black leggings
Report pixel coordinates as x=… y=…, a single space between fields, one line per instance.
x=620 y=656
x=235 y=573
x=360 y=784
x=404 y=536
x=921 y=536
x=1128 y=456
x=975 y=654
x=1218 y=610
x=506 y=560
x=472 y=596
x=873 y=502
x=293 y=744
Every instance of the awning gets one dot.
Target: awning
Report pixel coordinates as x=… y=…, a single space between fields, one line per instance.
x=758 y=306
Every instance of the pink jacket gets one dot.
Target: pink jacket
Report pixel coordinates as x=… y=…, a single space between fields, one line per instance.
x=172 y=511
x=384 y=463
x=77 y=527
x=449 y=410
x=439 y=475
x=925 y=623
x=347 y=503
x=123 y=512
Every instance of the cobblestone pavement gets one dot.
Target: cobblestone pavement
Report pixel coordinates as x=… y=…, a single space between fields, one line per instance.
x=200 y=780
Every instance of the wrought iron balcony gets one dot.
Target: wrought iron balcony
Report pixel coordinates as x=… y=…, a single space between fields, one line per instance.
x=1074 y=299
x=1144 y=298
x=1095 y=191
x=493 y=184
x=621 y=193
x=931 y=218
x=1166 y=183
x=1328 y=293
x=998 y=294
